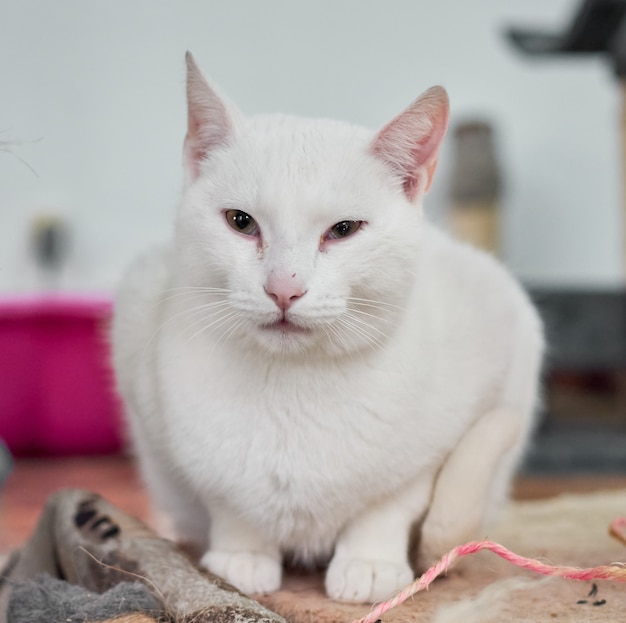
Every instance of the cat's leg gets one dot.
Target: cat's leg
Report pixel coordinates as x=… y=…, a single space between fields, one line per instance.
x=472 y=482
x=371 y=559
x=239 y=554
x=476 y=476
x=186 y=518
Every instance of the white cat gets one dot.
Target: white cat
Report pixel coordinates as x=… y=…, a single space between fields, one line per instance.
x=312 y=369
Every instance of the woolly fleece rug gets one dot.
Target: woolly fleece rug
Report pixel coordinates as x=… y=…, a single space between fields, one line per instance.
x=569 y=530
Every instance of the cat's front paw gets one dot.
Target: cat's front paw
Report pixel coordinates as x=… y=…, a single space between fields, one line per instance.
x=247 y=571
x=362 y=581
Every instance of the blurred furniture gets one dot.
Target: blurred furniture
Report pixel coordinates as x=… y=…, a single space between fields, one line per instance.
x=598 y=27
x=586 y=328
x=583 y=428
x=56 y=386
x=475 y=189
x=595 y=28
x=584 y=425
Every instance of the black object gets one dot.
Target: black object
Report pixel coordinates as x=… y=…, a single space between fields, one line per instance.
x=598 y=27
x=6 y=463
x=586 y=332
x=585 y=327
x=50 y=243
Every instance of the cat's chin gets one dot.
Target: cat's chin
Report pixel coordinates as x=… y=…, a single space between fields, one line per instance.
x=285 y=327
x=288 y=338
x=284 y=336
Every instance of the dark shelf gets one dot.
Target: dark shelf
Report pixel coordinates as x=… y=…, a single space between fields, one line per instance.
x=597 y=27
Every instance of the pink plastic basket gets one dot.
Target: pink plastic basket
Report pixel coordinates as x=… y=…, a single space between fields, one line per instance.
x=56 y=385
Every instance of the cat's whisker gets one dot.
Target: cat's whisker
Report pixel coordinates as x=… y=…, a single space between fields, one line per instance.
x=375 y=335
x=203 y=307
x=354 y=310
x=196 y=288
x=204 y=323
x=234 y=325
x=228 y=334
x=220 y=321
x=360 y=331
x=189 y=295
x=365 y=325
x=192 y=311
x=368 y=342
x=203 y=313
x=329 y=328
x=346 y=343
x=333 y=334
x=213 y=325
x=375 y=303
x=343 y=342
x=192 y=291
x=189 y=312
x=381 y=313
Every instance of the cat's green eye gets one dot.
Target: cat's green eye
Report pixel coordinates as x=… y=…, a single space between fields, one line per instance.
x=343 y=229
x=241 y=222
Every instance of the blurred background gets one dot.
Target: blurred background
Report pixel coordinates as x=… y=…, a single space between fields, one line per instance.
x=92 y=119
x=93 y=97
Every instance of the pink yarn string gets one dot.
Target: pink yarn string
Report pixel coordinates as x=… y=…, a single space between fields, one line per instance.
x=615 y=571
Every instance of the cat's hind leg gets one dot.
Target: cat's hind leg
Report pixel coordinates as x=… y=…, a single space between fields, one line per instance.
x=476 y=476
x=371 y=559
x=471 y=483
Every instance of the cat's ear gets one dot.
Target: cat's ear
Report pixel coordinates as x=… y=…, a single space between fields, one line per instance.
x=410 y=143
x=211 y=121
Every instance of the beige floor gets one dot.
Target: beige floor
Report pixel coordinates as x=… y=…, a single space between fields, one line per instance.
x=25 y=492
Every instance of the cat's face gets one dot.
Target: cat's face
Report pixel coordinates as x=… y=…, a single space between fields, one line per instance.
x=300 y=235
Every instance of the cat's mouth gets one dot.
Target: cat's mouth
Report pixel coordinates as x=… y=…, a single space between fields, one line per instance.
x=285 y=326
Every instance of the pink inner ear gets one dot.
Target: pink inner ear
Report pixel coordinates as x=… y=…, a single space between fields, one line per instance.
x=410 y=143
x=193 y=157
x=209 y=124
x=208 y=128
x=411 y=184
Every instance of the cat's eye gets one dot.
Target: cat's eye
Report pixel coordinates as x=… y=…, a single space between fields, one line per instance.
x=343 y=229
x=242 y=222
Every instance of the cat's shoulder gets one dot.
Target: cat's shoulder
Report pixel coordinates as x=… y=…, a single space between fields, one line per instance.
x=460 y=267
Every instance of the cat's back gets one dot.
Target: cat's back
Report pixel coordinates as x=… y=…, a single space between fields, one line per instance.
x=138 y=309
x=478 y=313
x=470 y=282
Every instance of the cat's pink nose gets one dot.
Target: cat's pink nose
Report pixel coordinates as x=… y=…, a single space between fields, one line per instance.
x=284 y=291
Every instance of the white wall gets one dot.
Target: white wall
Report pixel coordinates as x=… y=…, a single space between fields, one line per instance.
x=94 y=92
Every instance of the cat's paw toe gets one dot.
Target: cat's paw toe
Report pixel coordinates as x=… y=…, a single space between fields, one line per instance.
x=365 y=580
x=247 y=571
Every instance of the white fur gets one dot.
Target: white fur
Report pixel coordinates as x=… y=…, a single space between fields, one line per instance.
x=410 y=397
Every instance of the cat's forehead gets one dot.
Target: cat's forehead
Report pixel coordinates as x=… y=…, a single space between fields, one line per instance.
x=305 y=141
x=289 y=167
